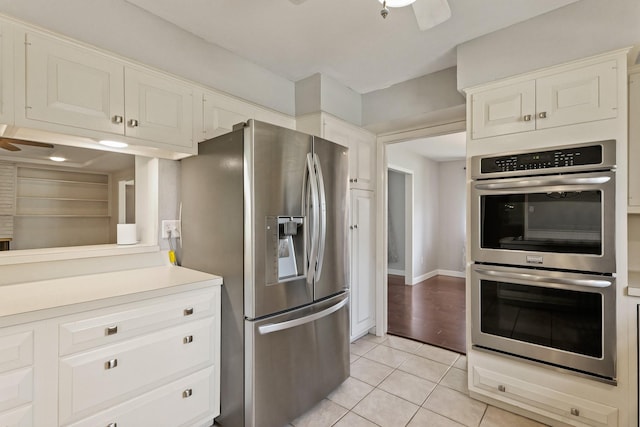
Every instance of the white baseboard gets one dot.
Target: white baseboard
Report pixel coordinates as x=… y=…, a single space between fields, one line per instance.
x=396 y=272
x=452 y=273
x=434 y=273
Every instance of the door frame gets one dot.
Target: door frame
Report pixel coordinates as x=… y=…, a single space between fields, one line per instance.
x=408 y=219
x=382 y=202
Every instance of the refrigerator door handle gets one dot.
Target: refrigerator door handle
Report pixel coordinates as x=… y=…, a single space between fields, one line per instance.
x=323 y=216
x=315 y=226
x=275 y=327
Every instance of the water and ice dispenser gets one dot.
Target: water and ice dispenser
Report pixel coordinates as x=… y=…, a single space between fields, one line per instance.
x=285 y=248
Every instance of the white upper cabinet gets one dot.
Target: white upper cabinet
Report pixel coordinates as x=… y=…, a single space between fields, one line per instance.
x=158 y=108
x=362 y=151
x=221 y=112
x=634 y=141
x=580 y=95
x=6 y=74
x=74 y=86
x=69 y=85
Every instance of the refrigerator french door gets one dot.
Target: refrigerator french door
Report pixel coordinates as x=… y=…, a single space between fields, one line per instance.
x=266 y=208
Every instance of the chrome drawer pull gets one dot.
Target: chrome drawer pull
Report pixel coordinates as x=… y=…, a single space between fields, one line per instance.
x=188 y=339
x=111 y=330
x=542 y=115
x=502 y=388
x=111 y=364
x=117 y=120
x=527 y=117
x=575 y=411
x=188 y=311
x=187 y=393
x=133 y=123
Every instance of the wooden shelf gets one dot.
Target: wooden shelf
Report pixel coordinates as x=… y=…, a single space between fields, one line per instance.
x=68 y=199
x=60 y=216
x=61 y=181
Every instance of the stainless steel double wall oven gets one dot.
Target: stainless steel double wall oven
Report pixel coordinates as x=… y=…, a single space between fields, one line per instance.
x=543 y=246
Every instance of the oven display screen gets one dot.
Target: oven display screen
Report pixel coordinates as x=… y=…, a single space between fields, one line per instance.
x=556 y=318
x=565 y=157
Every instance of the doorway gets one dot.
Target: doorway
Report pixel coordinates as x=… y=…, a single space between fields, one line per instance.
x=426 y=233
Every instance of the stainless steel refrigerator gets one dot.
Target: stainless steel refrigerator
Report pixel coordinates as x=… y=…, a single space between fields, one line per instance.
x=266 y=208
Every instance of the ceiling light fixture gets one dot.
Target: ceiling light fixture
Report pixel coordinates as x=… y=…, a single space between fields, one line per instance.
x=114 y=144
x=393 y=3
x=57 y=159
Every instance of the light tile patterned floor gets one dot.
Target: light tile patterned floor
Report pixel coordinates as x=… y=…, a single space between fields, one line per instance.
x=397 y=382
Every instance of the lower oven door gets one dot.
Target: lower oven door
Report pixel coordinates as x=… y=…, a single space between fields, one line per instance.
x=565 y=320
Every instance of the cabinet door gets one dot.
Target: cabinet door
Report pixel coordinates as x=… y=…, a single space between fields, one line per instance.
x=362 y=152
x=363 y=262
x=221 y=113
x=634 y=140
x=158 y=109
x=6 y=75
x=70 y=85
x=577 y=96
x=504 y=110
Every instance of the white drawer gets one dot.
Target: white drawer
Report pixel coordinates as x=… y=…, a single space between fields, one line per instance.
x=20 y=417
x=569 y=409
x=16 y=388
x=16 y=351
x=113 y=325
x=180 y=403
x=97 y=379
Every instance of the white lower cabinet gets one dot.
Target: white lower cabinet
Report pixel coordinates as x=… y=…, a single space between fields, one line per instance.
x=154 y=362
x=553 y=404
x=363 y=262
x=184 y=402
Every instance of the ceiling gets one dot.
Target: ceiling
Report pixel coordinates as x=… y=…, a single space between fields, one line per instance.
x=80 y=158
x=345 y=39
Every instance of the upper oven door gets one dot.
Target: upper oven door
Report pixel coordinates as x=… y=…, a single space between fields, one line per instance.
x=557 y=221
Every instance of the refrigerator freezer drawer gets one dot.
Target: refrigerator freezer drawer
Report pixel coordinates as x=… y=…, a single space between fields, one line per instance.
x=294 y=360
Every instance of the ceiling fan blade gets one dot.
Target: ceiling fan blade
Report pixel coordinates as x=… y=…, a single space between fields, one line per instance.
x=11 y=141
x=8 y=146
x=430 y=13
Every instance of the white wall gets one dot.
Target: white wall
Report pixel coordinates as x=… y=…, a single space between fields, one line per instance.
x=426 y=211
x=578 y=30
x=122 y=28
x=452 y=205
x=396 y=221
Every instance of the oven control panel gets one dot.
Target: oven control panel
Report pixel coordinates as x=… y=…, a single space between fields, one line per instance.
x=558 y=158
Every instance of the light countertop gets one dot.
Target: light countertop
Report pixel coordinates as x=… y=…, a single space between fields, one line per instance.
x=41 y=295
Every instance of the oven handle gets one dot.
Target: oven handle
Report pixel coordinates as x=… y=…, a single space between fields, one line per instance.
x=591 y=283
x=543 y=183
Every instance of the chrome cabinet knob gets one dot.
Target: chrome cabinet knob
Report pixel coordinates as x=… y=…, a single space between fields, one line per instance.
x=575 y=412
x=502 y=388
x=111 y=330
x=527 y=117
x=133 y=123
x=117 y=119
x=188 y=339
x=187 y=393
x=188 y=311
x=542 y=115
x=112 y=425
x=110 y=364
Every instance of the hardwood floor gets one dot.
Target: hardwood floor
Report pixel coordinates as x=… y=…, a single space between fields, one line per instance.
x=432 y=311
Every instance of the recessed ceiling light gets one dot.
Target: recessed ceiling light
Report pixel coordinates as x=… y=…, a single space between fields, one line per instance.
x=114 y=144
x=57 y=159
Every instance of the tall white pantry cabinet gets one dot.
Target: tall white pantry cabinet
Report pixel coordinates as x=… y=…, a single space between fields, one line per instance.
x=362 y=161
